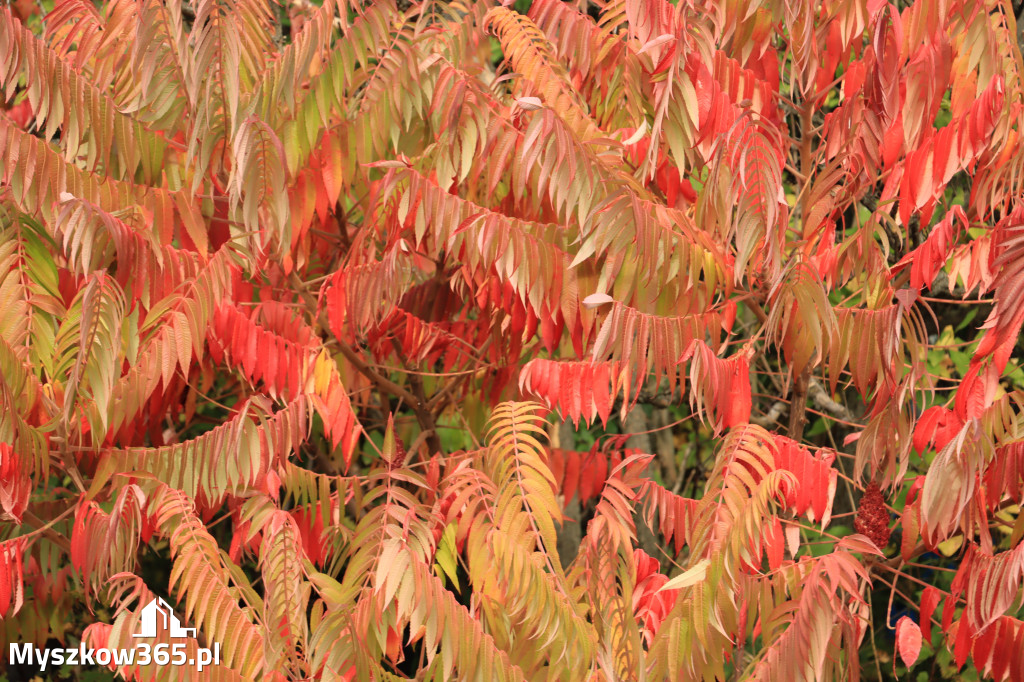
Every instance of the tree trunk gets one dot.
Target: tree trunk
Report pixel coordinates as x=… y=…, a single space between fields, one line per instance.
x=637 y=423
x=570 y=534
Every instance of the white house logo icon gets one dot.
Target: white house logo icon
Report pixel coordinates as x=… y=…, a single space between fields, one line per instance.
x=159 y=609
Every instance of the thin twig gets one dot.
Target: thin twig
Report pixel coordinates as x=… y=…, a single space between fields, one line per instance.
x=47 y=528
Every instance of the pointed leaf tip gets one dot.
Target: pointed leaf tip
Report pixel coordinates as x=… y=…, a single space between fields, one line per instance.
x=595 y=300
x=655 y=42
x=691 y=576
x=389 y=449
x=529 y=103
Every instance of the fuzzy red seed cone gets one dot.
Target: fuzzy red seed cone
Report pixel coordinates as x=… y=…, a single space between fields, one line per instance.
x=872 y=516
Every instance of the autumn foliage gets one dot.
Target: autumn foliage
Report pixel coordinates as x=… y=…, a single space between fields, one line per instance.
x=625 y=340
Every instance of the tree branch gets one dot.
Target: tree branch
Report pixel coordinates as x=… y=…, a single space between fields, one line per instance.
x=798 y=413
x=47 y=530
x=421 y=406
x=819 y=398
x=823 y=401
x=418 y=403
x=772 y=416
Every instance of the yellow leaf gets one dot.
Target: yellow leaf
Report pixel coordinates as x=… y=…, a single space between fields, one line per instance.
x=949 y=547
x=691 y=576
x=446 y=555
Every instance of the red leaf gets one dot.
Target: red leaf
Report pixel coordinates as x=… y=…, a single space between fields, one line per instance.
x=550 y=331
x=814 y=490
x=936 y=425
x=737 y=398
x=675 y=514
x=271 y=348
x=893 y=144
x=856 y=73
x=15 y=485
x=6 y=584
x=578 y=390
x=79 y=538
x=929 y=600
x=977 y=391
x=1007 y=260
x=393 y=650
x=908 y=640
x=250 y=351
x=1009 y=650
x=11 y=576
x=719 y=388
x=651 y=604
x=593 y=476
x=964 y=641
x=926 y=260
x=602 y=399
x=729 y=316
x=262 y=355
x=948 y=610
x=1005 y=474
x=238 y=535
x=982 y=653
